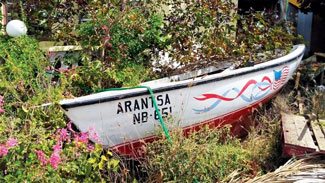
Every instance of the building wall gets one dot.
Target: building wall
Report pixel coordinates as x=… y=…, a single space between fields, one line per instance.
x=317 y=33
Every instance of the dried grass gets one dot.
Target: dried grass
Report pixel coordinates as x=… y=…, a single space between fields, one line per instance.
x=309 y=168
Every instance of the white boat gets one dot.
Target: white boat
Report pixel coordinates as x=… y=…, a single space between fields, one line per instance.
x=125 y=119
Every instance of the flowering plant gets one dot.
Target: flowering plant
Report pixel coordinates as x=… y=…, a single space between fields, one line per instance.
x=37 y=144
x=4 y=148
x=1 y=105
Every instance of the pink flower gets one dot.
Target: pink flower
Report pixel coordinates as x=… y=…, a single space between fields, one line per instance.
x=1 y=104
x=11 y=142
x=55 y=160
x=93 y=135
x=3 y=150
x=91 y=147
x=83 y=137
x=69 y=126
x=63 y=134
x=105 y=28
x=41 y=157
x=57 y=148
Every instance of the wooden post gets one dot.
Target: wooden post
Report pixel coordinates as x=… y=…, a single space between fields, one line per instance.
x=4 y=15
x=322 y=78
x=284 y=8
x=297 y=80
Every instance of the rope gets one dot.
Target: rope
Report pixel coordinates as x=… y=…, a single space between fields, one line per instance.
x=154 y=101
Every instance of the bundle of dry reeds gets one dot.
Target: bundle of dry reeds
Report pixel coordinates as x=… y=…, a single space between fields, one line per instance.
x=309 y=168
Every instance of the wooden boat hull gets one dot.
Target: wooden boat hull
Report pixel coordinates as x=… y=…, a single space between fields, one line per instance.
x=124 y=119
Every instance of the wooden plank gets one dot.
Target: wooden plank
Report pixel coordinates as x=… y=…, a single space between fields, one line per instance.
x=320 y=54
x=4 y=17
x=298 y=129
x=321 y=81
x=322 y=122
x=297 y=136
x=319 y=135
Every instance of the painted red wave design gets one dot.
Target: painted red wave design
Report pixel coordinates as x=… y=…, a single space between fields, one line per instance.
x=249 y=83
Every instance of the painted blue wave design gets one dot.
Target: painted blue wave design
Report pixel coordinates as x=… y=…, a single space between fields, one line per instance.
x=259 y=95
x=215 y=104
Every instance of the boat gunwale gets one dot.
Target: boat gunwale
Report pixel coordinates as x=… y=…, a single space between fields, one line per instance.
x=290 y=57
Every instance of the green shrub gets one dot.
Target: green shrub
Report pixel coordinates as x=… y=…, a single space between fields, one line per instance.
x=35 y=144
x=215 y=155
x=209 y=155
x=118 y=48
x=261 y=37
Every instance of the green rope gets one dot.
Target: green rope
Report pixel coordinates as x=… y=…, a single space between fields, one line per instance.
x=154 y=101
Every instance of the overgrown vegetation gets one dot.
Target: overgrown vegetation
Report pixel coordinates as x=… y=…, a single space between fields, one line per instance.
x=207 y=156
x=36 y=143
x=214 y=155
x=120 y=42
x=126 y=46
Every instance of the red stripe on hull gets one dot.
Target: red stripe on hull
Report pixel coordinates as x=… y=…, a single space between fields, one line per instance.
x=237 y=119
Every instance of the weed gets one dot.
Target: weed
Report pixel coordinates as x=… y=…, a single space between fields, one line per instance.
x=208 y=155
